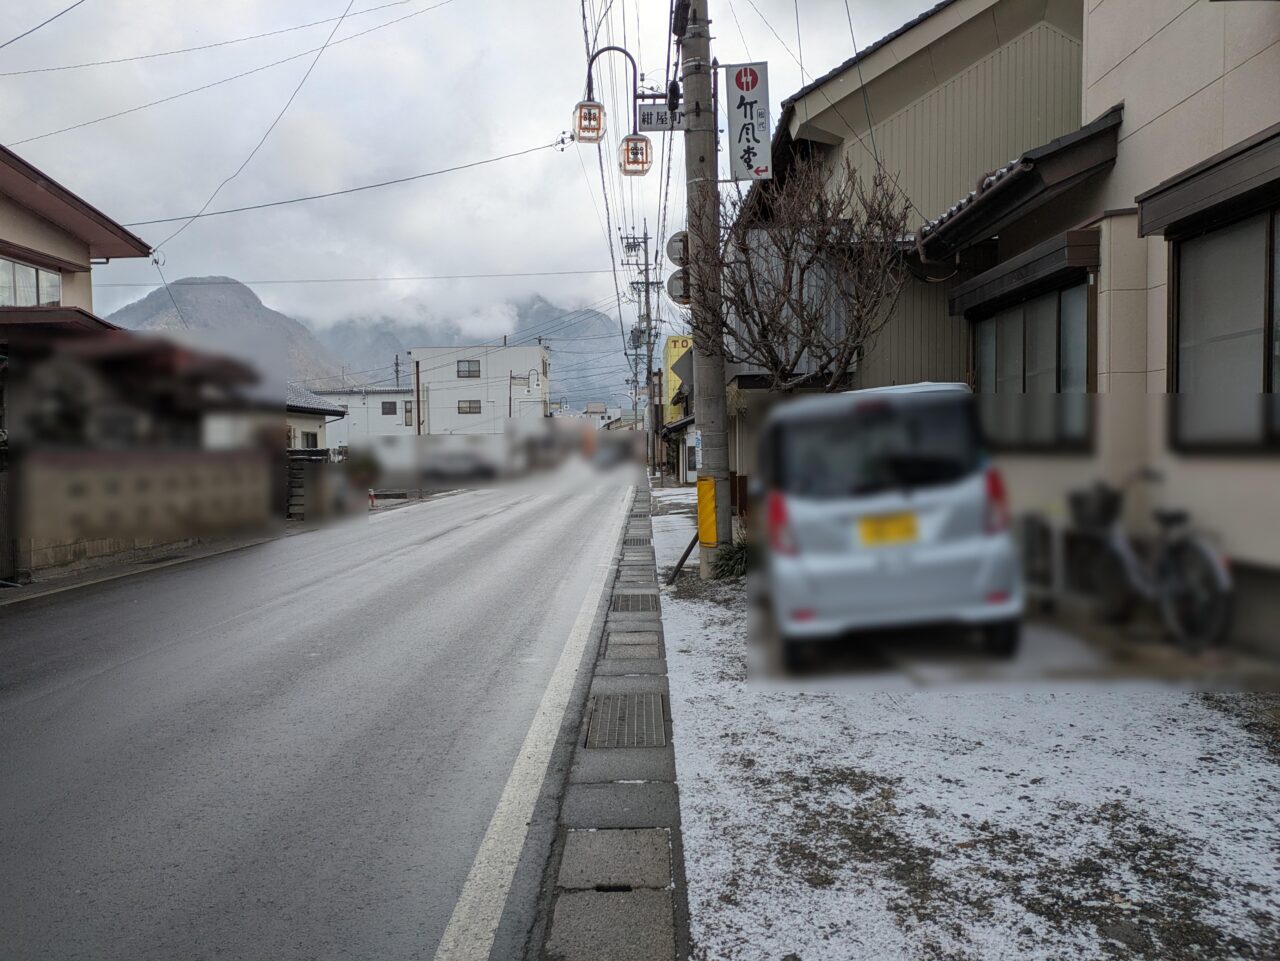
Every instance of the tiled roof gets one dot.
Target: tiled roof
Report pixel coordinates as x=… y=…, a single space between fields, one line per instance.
x=299 y=398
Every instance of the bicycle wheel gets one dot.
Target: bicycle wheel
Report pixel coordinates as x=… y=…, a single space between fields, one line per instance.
x=1195 y=595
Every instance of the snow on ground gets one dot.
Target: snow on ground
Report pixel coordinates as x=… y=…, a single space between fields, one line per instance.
x=871 y=825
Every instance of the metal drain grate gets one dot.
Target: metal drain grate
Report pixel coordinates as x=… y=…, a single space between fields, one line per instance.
x=627 y=720
x=635 y=603
x=636 y=542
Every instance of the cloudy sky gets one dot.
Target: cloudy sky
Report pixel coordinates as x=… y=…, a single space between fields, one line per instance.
x=448 y=84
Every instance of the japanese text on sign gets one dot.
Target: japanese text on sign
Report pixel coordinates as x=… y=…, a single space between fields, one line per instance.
x=746 y=98
x=656 y=116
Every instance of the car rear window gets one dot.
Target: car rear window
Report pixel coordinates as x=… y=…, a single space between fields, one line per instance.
x=880 y=446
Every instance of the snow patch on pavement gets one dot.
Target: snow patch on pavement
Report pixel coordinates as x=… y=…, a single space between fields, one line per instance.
x=838 y=825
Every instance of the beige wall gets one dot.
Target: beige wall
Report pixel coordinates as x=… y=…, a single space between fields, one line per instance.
x=298 y=422
x=1195 y=78
x=19 y=225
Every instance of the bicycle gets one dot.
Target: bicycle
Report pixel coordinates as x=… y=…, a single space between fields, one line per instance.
x=1187 y=580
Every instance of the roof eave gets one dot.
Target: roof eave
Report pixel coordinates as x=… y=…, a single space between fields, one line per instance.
x=111 y=239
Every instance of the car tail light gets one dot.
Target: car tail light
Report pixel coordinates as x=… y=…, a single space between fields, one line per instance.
x=997 y=503
x=781 y=540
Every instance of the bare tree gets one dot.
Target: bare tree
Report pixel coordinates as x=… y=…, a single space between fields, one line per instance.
x=811 y=268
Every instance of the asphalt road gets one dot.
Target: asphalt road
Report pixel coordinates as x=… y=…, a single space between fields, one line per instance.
x=289 y=751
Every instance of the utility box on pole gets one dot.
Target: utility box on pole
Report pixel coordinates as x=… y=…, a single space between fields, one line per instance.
x=703 y=192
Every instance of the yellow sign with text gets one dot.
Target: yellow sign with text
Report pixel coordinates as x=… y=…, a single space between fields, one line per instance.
x=675 y=348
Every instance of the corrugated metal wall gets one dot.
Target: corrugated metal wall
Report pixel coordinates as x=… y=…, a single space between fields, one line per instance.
x=1022 y=95
x=920 y=342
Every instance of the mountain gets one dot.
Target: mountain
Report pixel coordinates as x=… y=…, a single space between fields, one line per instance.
x=586 y=351
x=220 y=313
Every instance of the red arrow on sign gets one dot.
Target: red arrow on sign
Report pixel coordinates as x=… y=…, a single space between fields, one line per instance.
x=761 y=170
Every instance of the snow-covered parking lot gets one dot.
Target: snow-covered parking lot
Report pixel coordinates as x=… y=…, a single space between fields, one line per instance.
x=855 y=824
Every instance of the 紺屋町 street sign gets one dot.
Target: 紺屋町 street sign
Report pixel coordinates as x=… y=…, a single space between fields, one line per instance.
x=657 y=116
x=746 y=100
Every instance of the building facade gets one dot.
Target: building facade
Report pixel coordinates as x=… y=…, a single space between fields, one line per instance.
x=1111 y=291
x=371 y=412
x=479 y=389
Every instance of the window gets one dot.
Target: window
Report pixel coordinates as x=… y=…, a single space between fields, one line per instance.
x=49 y=288
x=468 y=368
x=408 y=413
x=1222 y=352
x=22 y=285
x=310 y=440
x=389 y=408
x=468 y=407
x=1033 y=357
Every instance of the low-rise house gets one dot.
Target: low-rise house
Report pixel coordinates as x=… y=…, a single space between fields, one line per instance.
x=371 y=412
x=101 y=444
x=307 y=419
x=936 y=104
x=1093 y=248
x=1149 y=280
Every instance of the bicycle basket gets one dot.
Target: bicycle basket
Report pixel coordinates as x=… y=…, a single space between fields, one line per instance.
x=1095 y=508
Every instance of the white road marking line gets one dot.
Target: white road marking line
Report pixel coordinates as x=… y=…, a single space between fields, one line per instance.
x=474 y=922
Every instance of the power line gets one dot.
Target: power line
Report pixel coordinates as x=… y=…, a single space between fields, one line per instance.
x=204 y=46
x=831 y=103
x=366 y=280
x=604 y=190
x=27 y=33
x=799 y=42
x=862 y=84
x=181 y=316
x=258 y=146
x=741 y=35
x=238 y=76
x=348 y=190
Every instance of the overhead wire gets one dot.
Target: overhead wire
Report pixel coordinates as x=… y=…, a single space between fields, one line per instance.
x=216 y=83
x=202 y=282
x=843 y=119
x=348 y=190
x=27 y=33
x=279 y=116
x=203 y=46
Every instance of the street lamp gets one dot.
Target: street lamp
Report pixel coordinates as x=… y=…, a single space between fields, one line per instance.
x=588 y=122
x=635 y=153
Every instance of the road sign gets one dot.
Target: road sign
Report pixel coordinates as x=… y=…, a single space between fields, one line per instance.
x=656 y=115
x=678 y=287
x=747 y=102
x=678 y=248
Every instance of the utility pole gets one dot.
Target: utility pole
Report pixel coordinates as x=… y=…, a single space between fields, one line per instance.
x=703 y=192
x=630 y=245
x=397 y=371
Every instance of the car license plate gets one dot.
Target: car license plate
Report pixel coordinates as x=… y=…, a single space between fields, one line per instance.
x=887 y=529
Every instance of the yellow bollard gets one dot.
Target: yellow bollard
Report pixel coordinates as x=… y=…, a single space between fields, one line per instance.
x=707 y=511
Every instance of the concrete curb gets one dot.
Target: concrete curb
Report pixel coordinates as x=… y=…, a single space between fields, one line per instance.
x=615 y=882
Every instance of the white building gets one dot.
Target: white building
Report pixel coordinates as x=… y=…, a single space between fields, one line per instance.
x=476 y=390
x=372 y=412
x=601 y=414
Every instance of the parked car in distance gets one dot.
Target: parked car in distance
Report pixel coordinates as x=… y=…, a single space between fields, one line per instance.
x=882 y=510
